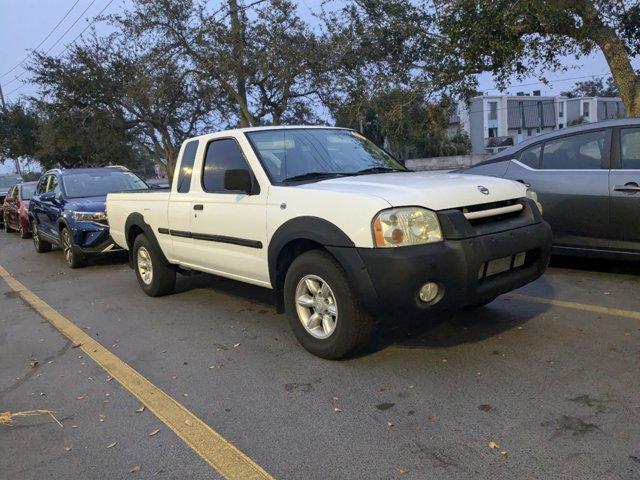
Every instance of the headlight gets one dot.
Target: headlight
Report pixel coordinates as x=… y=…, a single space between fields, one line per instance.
x=400 y=227
x=89 y=216
x=534 y=196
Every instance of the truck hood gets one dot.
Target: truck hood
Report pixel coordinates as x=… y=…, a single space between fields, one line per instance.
x=435 y=191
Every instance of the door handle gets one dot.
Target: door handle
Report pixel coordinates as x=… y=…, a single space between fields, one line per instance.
x=627 y=187
x=524 y=183
x=199 y=206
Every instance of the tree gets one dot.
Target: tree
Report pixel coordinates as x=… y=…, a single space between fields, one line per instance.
x=265 y=65
x=133 y=88
x=520 y=38
x=593 y=88
x=405 y=124
x=18 y=131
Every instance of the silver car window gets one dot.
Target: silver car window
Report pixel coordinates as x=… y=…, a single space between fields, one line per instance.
x=630 y=148
x=574 y=152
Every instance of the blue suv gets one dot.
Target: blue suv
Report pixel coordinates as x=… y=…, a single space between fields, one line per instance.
x=68 y=210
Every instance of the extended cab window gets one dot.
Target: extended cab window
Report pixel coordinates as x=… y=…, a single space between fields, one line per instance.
x=222 y=155
x=186 y=166
x=575 y=152
x=630 y=148
x=531 y=156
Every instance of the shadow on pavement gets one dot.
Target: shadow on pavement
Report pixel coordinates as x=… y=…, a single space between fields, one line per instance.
x=596 y=265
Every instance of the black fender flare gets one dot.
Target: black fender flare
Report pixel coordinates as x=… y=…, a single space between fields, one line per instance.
x=136 y=219
x=303 y=228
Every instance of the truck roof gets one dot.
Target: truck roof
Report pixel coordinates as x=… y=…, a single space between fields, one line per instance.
x=270 y=127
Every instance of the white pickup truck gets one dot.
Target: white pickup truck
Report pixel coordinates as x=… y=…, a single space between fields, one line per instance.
x=340 y=230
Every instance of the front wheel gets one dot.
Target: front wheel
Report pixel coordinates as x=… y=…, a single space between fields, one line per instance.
x=324 y=311
x=40 y=245
x=155 y=278
x=72 y=254
x=23 y=232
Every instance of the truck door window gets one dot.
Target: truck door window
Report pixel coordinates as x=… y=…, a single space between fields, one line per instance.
x=630 y=148
x=222 y=155
x=574 y=152
x=42 y=185
x=186 y=166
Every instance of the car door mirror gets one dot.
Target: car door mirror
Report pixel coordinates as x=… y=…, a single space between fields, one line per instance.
x=47 y=197
x=238 y=180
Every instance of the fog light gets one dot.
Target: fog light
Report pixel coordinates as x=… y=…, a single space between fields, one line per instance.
x=429 y=292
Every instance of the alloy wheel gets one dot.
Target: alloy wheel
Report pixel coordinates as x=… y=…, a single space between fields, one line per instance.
x=36 y=237
x=145 y=265
x=67 y=246
x=316 y=306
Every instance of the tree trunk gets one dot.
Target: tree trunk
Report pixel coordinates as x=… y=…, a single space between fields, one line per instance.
x=624 y=76
x=238 y=35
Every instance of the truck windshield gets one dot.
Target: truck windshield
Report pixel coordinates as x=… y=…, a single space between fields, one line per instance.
x=299 y=154
x=98 y=184
x=7 y=181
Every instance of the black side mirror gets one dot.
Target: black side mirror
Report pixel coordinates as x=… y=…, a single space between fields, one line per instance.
x=238 y=180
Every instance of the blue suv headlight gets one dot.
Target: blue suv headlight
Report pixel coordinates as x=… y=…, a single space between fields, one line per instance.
x=89 y=216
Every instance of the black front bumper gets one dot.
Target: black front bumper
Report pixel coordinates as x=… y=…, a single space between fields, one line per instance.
x=390 y=279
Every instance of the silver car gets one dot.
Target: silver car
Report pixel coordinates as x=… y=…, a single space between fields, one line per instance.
x=588 y=181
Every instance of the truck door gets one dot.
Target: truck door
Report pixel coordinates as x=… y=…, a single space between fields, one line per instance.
x=624 y=185
x=228 y=228
x=570 y=175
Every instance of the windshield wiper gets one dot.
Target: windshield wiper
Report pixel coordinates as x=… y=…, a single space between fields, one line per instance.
x=379 y=170
x=314 y=176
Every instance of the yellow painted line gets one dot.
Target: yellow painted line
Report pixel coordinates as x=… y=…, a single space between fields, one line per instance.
x=225 y=458
x=617 y=312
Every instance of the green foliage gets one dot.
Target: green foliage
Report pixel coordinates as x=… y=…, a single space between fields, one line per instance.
x=18 y=127
x=405 y=124
x=593 y=88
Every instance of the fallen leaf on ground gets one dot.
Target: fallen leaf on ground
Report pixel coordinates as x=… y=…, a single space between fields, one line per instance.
x=81 y=397
x=7 y=417
x=432 y=418
x=236 y=345
x=493 y=445
x=504 y=455
x=336 y=409
x=111 y=445
x=33 y=363
x=155 y=432
x=188 y=423
x=400 y=471
x=141 y=409
x=67 y=449
x=76 y=345
x=134 y=469
x=389 y=424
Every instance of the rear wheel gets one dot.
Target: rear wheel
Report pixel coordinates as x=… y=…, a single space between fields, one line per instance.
x=72 y=254
x=40 y=245
x=154 y=276
x=324 y=311
x=23 y=231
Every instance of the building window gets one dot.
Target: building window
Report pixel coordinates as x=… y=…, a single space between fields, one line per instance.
x=561 y=125
x=493 y=132
x=493 y=110
x=561 y=110
x=529 y=133
x=585 y=109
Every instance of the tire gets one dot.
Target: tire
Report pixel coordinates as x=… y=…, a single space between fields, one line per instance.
x=41 y=246
x=154 y=276
x=72 y=254
x=342 y=334
x=23 y=233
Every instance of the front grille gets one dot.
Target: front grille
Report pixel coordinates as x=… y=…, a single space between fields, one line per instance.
x=492 y=212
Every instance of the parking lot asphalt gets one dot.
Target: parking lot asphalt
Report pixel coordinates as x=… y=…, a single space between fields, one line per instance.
x=555 y=389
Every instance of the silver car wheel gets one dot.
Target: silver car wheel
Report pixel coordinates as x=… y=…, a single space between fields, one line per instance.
x=36 y=237
x=316 y=306
x=67 y=247
x=145 y=265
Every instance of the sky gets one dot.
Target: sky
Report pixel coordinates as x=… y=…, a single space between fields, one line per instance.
x=24 y=24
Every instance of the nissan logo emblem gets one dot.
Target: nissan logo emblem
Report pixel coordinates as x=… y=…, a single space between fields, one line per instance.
x=483 y=190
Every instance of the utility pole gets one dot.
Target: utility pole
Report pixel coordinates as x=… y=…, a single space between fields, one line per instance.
x=4 y=110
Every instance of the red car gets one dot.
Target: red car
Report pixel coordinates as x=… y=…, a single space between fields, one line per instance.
x=16 y=208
